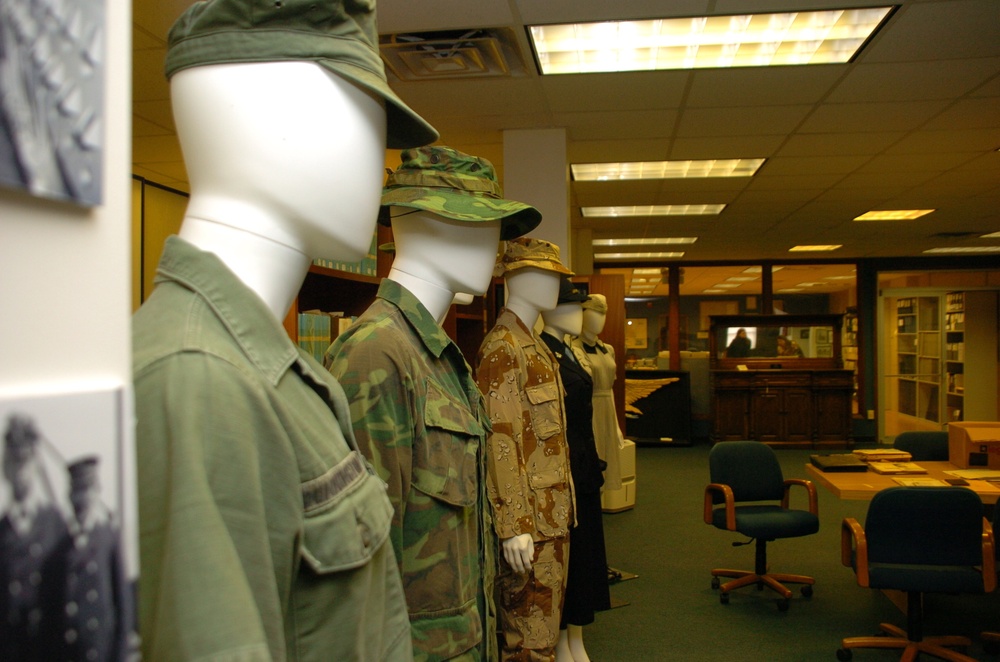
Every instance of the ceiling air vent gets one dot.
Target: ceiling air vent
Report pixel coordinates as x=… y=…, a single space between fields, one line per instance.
x=480 y=53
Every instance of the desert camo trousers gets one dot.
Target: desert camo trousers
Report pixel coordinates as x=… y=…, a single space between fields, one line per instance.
x=530 y=605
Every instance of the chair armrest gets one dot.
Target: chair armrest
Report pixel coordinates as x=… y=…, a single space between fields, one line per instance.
x=853 y=540
x=810 y=489
x=989 y=558
x=730 y=502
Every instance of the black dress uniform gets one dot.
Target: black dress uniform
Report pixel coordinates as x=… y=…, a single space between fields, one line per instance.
x=587 y=584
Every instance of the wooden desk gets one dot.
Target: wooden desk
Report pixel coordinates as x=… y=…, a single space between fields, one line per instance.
x=862 y=486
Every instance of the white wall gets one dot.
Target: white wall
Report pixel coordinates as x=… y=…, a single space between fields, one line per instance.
x=65 y=271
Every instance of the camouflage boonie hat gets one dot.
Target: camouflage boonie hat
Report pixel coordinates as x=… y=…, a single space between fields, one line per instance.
x=339 y=35
x=458 y=186
x=529 y=252
x=597 y=303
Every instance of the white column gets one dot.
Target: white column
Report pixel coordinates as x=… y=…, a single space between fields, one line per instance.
x=535 y=171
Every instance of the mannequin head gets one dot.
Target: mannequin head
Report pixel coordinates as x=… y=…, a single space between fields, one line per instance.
x=437 y=257
x=533 y=274
x=566 y=319
x=310 y=182
x=531 y=290
x=595 y=310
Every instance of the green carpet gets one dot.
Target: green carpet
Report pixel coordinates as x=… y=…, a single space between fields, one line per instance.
x=673 y=613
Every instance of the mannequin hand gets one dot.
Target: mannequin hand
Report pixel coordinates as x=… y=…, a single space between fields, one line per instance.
x=519 y=552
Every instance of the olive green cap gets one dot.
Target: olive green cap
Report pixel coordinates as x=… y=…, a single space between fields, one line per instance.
x=340 y=35
x=458 y=186
x=528 y=252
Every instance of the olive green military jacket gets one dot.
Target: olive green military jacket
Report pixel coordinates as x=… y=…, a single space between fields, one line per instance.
x=262 y=529
x=527 y=460
x=419 y=418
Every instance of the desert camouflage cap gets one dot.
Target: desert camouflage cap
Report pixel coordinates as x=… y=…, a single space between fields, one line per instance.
x=340 y=35
x=529 y=252
x=597 y=303
x=458 y=186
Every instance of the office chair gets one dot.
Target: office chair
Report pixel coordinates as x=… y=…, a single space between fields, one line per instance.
x=926 y=445
x=919 y=540
x=991 y=640
x=749 y=495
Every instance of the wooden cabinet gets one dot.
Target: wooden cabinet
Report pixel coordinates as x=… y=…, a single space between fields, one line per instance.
x=782 y=407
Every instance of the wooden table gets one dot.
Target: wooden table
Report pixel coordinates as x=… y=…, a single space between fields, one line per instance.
x=862 y=485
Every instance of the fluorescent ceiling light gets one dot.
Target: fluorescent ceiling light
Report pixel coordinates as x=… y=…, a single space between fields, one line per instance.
x=601 y=172
x=742 y=279
x=646 y=241
x=790 y=289
x=838 y=277
x=635 y=256
x=965 y=249
x=651 y=210
x=648 y=270
x=757 y=270
x=818 y=247
x=711 y=291
x=810 y=284
x=893 y=215
x=726 y=285
x=992 y=235
x=747 y=40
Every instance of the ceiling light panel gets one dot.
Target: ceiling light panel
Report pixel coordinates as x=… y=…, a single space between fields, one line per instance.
x=603 y=172
x=965 y=249
x=893 y=215
x=645 y=241
x=651 y=210
x=827 y=247
x=636 y=256
x=747 y=40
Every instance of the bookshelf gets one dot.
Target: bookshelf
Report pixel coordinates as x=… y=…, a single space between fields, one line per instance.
x=954 y=331
x=849 y=352
x=918 y=357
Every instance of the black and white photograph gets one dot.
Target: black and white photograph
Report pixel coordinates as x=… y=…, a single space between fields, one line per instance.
x=51 y=98
x=67 y=572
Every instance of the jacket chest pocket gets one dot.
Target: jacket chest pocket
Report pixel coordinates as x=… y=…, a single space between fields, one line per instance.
x=543 y=406
x=445 y=461
x=347 y=517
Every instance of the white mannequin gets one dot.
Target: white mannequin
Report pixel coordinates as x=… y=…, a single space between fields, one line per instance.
x=290 y=169
x=530 y=290
x=438 y=258
x=593 y=324
x=566 y=319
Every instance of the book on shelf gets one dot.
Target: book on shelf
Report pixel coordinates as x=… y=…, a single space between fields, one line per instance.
x=896 y=468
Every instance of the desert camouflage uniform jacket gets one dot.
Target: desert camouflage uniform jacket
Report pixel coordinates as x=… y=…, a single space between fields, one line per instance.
x=420 y=419
x=527 y=461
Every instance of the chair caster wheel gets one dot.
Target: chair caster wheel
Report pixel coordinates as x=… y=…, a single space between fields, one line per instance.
x=844 y=654
x=724 y=598
x=783 y=604
x=716 y=583
x=807 y=591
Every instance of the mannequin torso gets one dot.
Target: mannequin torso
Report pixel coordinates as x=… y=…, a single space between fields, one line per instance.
x=230 y=411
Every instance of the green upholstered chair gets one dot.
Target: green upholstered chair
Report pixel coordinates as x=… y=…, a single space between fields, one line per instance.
x=749 y=495
x=928 y=445
x=919 y=540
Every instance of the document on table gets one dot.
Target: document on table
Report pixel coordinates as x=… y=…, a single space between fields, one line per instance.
x=920 y=482
x=976 y=474
x=896 y=468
